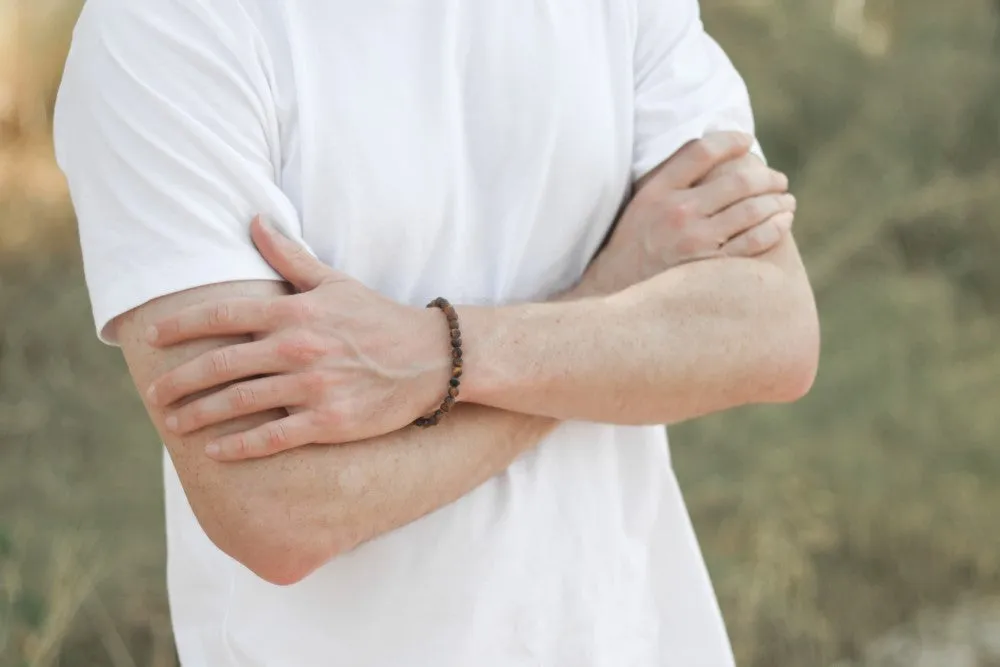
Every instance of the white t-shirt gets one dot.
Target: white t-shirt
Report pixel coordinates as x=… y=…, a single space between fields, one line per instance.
x=478 y=150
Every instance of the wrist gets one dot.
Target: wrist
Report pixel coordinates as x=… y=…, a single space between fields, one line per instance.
x=513 y=349
x=430 y=331
x=479 y=328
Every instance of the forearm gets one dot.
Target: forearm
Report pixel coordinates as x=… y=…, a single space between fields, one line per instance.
x=286 y=515
x=695 y=339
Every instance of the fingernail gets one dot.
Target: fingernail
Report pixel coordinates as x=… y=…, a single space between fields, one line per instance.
x=152 y=333
x=792 y=201
x=213 y=449
x=151 y=394
x=171 y=424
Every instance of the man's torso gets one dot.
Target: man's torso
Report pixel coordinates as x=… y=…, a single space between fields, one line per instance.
x=478 y=151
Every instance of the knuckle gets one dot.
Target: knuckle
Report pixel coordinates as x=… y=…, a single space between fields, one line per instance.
x=163 y=389
x=219 y=362
x=762 y=239
x=679 y=213
x=755 y=211
x=744 y=182
x=300 y=348
x=239 y=447
x=314 y=383
x=753 y=243
x=220 y=314
x=275 y=437
x=243 y=397
x=190 y=418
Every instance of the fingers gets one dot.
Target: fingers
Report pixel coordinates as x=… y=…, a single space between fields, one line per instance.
x=698 y=158
x=749 y=213
x=239 y=400
x=761 y=238
x=271 y=438
x=288 y=258
x=734 y=187
x=233 y=317
x=217 y=367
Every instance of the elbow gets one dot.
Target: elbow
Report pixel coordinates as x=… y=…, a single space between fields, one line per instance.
x=276 y=569
x=799 y=356
x=276 y=548
x=284 y=558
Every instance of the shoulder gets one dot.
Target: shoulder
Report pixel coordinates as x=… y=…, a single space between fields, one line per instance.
x=180 y=28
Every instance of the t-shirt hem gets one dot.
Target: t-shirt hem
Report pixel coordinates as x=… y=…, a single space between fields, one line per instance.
x=170 y=277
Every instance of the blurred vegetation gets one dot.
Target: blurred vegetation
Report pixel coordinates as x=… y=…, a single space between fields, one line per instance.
x=860 y=510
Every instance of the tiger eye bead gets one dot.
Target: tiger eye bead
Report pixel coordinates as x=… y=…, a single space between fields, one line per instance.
x=455 y=334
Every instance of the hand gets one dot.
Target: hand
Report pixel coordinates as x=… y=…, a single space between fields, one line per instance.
x=346 y=362
x=712 y=198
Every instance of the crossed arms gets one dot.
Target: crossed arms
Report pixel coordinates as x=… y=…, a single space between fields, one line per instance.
x=621 y=347
x=648 y=336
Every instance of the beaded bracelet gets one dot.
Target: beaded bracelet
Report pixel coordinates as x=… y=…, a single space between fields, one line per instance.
x=456 y=365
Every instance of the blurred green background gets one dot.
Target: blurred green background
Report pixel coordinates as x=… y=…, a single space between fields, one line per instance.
x=856 y=528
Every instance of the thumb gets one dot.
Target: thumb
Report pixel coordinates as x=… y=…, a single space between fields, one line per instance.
x=290 y=259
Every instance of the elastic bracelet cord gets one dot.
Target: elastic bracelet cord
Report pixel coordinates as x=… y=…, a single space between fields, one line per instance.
x=456 y=365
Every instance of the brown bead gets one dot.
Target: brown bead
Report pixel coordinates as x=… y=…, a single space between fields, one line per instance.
x=421 y=422
x=449 y=311
x=454 y=382
x=445 y=407
x=453 y=392
x=456 y=371
x=456 y=353
x=456 y=342
x=455 y=333
x=438 y=414
x=447 y=403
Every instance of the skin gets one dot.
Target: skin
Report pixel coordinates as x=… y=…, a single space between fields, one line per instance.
x=287 y=514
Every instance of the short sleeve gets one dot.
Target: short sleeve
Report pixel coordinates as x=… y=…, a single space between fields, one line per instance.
x=167 y=133
x=685 y=84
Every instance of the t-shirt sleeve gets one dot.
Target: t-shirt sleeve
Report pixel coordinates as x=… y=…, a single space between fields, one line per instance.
x=167 y=133
x=685 y=84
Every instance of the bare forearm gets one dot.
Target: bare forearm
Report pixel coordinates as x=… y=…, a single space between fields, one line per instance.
x=285 y=515
x=695 y=339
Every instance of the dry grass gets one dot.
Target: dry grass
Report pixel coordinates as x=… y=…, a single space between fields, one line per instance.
x=865 y=507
